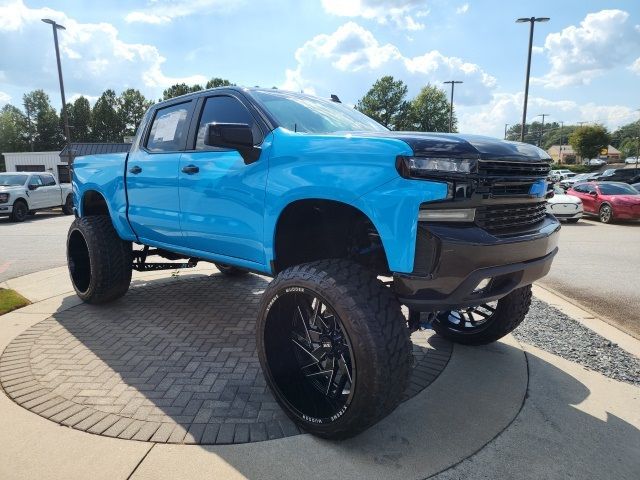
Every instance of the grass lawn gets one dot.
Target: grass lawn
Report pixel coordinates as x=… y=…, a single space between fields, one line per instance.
x=10 y=300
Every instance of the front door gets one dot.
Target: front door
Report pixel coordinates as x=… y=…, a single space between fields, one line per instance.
x=152 y=177
x=37 y=195
x=222 y=198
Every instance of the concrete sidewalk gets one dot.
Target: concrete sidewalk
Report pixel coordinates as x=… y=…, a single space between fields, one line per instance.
x=499 y=411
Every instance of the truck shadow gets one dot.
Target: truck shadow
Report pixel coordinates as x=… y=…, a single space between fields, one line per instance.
x=175 y=361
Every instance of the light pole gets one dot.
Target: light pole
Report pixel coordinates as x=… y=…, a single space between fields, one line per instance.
x=531 y=20
x=542 y=128
x=65 y=118
x=453 y=83
x=505 y=130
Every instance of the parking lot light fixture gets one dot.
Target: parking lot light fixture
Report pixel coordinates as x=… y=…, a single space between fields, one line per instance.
x=531 y=20
x=65 y=118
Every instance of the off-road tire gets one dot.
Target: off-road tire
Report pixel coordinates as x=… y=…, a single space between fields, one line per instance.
x=19 y=212
x=377 y=331
x=230 y=271
x=99 y=260
x=509 y=313
x=67 y=208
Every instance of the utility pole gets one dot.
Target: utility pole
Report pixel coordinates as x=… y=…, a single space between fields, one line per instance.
x=542 y=128
x=531 y=21
x=505 y=130
x=560 y=149
x=65 y=118
x=453 y=83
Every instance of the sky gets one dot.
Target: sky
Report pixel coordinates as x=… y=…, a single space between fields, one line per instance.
x=585 y=62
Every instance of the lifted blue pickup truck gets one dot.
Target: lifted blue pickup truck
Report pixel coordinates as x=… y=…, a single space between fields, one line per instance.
x=328 y=202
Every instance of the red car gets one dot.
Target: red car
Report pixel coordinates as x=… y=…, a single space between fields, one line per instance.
x=608 y=200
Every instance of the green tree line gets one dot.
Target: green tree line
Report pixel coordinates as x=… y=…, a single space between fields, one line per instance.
x=37 y=125
x=386 y=102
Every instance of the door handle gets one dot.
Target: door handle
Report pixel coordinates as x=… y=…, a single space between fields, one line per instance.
x=190 y=169
x=135 y=170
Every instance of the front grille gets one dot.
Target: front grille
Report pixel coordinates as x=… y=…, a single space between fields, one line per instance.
x=495 y=168
x=511 y=190
x=498 y=218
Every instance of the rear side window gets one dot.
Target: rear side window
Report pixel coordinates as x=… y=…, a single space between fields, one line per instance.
x=169 y=128
x=225 y=109
x=47 y=180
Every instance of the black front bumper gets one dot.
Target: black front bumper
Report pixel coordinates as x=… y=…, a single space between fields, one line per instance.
x=451 y=261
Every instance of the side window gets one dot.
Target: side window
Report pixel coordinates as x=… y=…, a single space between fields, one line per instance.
x=578 y=188
x=225 y=109
x=590 y=188
x=169 y=128
x=48 y=180
x=35 y=180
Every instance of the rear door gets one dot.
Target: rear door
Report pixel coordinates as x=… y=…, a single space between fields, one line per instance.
x=51 y=191
x=222 y=198
x=152 y=175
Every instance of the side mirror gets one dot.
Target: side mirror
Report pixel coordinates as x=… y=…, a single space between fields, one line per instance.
x=238 y=136
x=32 y=187
x=593 y=194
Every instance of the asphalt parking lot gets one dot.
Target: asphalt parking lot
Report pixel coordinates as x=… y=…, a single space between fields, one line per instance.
x=36 y=244
x=598 y=267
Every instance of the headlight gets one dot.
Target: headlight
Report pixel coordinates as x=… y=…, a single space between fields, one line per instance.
x=4 y=197
x=448 y=215
x=410 y=167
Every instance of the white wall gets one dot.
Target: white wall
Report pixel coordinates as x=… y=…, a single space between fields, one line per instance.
x=50 y=160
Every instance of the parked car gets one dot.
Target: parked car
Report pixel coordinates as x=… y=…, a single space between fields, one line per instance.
x=23 y=194
x=557 y=175
x=636 y=186
x=324 y=199
x=608 y=200
x=594 y=162
x=581 y=177
x=626 y=175
x=632 y=160
x=564 y=207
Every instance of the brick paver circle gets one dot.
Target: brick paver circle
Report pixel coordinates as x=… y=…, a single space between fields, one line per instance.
x=173 y=361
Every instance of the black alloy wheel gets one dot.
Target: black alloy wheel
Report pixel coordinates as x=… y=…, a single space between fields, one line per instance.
x=20 y=211
x=486 y=323
x=310 y=355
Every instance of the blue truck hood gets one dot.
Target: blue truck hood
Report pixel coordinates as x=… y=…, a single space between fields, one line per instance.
x=464 y=146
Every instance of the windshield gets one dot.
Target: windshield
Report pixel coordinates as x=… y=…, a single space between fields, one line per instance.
x=617 y=189
x=12 y=180
x=304 y=113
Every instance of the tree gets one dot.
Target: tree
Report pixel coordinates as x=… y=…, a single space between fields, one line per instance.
x=80 y=120
x=429 y=111
x=180 y=89
x=627 y=139
x=106 y=122
x=133 y=106
x=218 y=82
x=588 y=140
x=385 y=102
x=13 y=130
x=43 y=123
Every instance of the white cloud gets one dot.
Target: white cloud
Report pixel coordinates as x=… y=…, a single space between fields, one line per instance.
x=402 y=13
x=94 y=56
x=578 y=54
x=164 y=11
x=537 y=50
x=462 y=9
x=351 y=58
x=4 y=98
x=635 y=66
x=507 y=108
